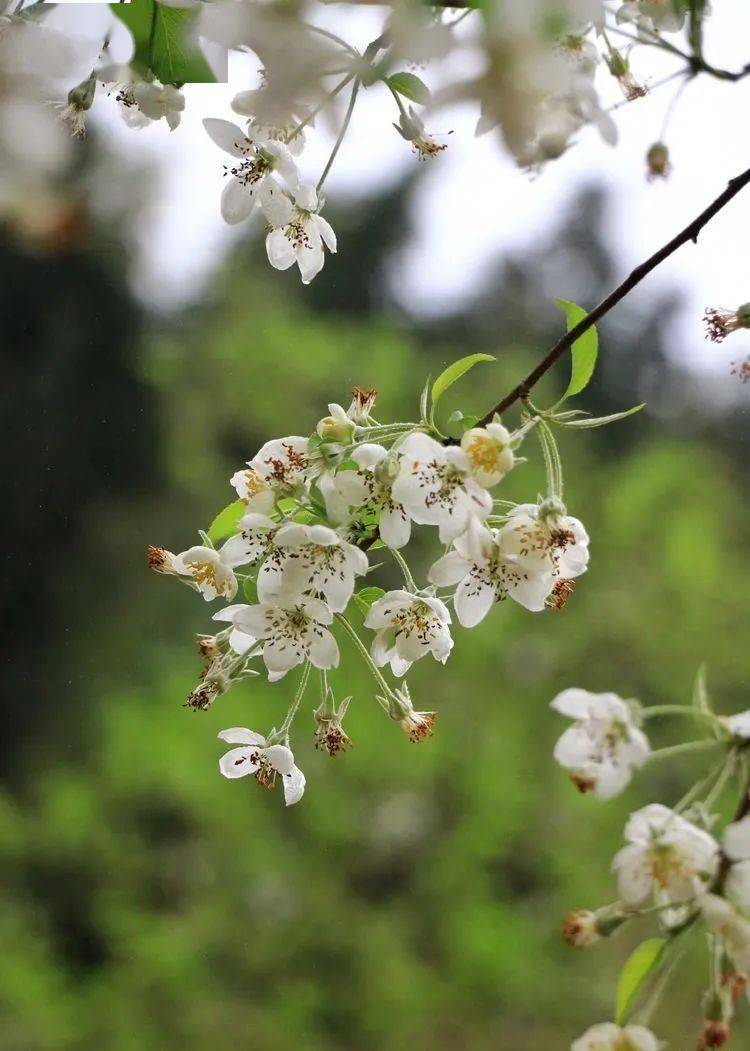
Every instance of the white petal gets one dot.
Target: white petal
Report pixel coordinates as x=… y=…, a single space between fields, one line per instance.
x=228 y=137
x=326 y=231
x=448 y=570
x=736 y=841
x=294 y=786
x=310 y=259
x=306 y=197
x=324 y=652
x=237 y=201
x=395 y=527
x=276 y=205
x=474 y=599
x=369 y=455
x=238 y=763
x=280 y=757
x=241 y=735
x=573 y=702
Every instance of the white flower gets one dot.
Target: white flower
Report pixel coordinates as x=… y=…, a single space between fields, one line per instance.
x=160 y=100
x=489 y=452
x=486 y=573
x=268 y=121
x=239 y=640
x=666 y=856
x=736 y=847
x=294 y=629
x=436 y=486
x=363 y=402
x=338 y=426
x=544 y=533
x=265 y=761
x=738 y=725
x=312 y=559
x=603 y=746
x=662 y=14
x=253 y=541
x=299 y=235
x=279 y=468
x=212 y=571
x=407 y=628
x=251 y=180
x=611 y=1037
x=370 y=490
x=733 y=929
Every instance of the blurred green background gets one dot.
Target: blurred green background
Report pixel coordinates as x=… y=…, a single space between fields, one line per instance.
x=414 y=898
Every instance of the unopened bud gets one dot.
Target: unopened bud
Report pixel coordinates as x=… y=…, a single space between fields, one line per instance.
x=657 y=161
x=82 y=95
x=337 y=427
x=579 y=928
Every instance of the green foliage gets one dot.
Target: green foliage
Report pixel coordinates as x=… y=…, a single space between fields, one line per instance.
x=366 y=597
x=639 y=966
x=163 y=46
x=584 y=351
x=225 y=523
x=410 y=86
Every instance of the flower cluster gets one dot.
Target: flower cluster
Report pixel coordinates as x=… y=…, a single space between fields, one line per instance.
x=295 y=549
x=675 y=867
x=536 y=84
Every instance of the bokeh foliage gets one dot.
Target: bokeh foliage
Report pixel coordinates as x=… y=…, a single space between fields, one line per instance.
x=413 y=898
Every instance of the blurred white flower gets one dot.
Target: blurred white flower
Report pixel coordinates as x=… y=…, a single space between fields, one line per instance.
x=299 y=234
x=160 y=100
x=738 y=725
x=265 y=761
x=603 y=746
x=666 y=857
x=610 y=1037
x=736 y=846
x=662 y=15
x=733 y=929
x=436 y=486
x=408 y=627
x=251 y=180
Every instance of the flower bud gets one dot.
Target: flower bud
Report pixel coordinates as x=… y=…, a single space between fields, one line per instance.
x=208 y=647
x=337 y=427
x=715 y=1034
x=657 y=161
x=81 y=97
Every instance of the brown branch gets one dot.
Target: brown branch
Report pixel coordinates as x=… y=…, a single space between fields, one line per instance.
x=690 y=233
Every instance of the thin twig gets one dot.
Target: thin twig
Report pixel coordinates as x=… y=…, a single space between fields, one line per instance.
x=690 y=233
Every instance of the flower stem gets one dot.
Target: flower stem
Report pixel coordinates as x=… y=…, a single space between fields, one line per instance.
x=321 y=105
x=372 y=666
x=678 y=709
x=721 y=782
x=289 y=718
x=408 y=578
x=341 y=135
x=687 y=748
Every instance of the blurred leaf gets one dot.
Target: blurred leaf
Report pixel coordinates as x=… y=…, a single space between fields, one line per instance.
x=171 y=56
x=225 y=523
x=411 y=87
x=584 y=350
x=638 y=967
x=600 y=421
x=454 y=372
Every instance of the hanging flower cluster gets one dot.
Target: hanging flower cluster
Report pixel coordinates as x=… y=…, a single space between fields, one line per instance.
x=295 y=548
x=537 y=84
x=676 y=867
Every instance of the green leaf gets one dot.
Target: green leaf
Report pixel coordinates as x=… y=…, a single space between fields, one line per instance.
x=454 y=372
x=411 y=87
x=250 y=590
x=465 y=422
x=366 y=597
x=424 y=400
x=639 y=965
x=172 y=56
x=584 y=350
x=225 y=523
x=599 y=421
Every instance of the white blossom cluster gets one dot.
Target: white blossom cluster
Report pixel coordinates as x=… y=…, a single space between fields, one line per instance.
x=674 y=867
x=537 y=85
x=297 y=544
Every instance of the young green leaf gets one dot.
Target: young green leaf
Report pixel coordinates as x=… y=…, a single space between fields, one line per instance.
x=162 y=42
x=639 y=965
x=366 y=597
x=250 y=590
x=225 y=523
x=599 y=421
x=411 y=87
x=454 y=372
x=584 y=350
x=424 y=400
